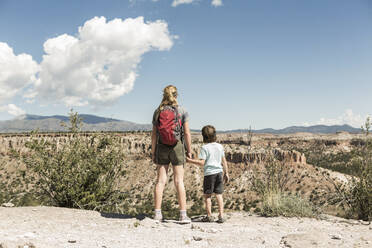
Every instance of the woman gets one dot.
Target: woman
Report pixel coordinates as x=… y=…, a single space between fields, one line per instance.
x=170 y=135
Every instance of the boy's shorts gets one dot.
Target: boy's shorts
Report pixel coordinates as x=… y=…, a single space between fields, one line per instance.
x=165 y=154
x=213 y=184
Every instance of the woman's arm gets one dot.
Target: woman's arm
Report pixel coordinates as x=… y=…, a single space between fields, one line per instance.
x=187 y=138
x=153 y=143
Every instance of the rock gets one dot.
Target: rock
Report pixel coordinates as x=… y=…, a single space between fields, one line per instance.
x=212 y=230
x=29 y=235
x=28 y=245
x=72 y=241
x=260 y=157
x=302 y=240
x=165 y=225
x=197 y=238
x=366 y=223
x=7 y=205
x=196 y=227
x=188 y=241
x=336 y=236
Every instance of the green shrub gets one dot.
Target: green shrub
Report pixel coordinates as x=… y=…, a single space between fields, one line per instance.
x=361 y=189
x=170 y=209
x=270 y=185
x=357 y=195
x=197 y=207
x=273 y=178
x=281 y=204
x=144 y=206
x=81 y=173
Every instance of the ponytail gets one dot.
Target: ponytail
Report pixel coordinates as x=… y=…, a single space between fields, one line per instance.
x=169 y=97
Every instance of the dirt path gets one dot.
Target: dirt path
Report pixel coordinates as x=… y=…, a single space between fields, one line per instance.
x=61 y=227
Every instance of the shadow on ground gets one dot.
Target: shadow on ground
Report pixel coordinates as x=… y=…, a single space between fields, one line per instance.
x=123 y=216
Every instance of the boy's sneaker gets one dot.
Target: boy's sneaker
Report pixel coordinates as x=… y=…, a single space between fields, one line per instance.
x=184 y=220
x=221 y=219
x=208 y=219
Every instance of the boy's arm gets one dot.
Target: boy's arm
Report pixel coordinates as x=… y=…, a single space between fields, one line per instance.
x=225 y=169
x=196 y=161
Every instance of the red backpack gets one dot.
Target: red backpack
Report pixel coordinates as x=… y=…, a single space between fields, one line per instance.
x=169 y=126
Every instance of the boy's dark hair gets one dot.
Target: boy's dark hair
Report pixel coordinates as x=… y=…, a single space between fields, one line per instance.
x=209 y=134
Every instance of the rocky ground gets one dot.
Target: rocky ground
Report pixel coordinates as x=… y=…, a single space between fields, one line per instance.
x=61 y=227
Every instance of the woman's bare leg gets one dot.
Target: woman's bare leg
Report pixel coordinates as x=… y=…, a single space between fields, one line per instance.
x=161 y=180
x=180 y=188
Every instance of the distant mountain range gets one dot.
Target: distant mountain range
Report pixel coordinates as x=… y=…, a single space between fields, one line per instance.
x=27 y=123
x=301 y=129
x=89 y=119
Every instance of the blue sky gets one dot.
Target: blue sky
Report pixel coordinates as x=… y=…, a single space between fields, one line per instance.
x=259 y=63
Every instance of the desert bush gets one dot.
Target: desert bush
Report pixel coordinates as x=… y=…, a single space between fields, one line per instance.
x=81 y=173
x=170 y=209
x=270 y=184
x=273 y=178
x=145 y=206
x=282 y=204
x=356 y=195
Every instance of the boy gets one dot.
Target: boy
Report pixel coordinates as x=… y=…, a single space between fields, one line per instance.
x=212 y=156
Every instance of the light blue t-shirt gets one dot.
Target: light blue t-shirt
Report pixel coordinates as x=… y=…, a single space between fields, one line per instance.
x=212 y=153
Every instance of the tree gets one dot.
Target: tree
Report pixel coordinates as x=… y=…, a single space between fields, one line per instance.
x=83 y=172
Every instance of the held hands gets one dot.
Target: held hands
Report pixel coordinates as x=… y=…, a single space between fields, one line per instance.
x=189 y=157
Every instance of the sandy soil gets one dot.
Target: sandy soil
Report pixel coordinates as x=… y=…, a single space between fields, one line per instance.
x=61 y=227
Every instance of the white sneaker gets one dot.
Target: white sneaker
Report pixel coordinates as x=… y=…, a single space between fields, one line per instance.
x=184 y=220
x=158 y=217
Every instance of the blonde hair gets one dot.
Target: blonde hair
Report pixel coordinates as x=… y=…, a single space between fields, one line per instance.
x=169 y=97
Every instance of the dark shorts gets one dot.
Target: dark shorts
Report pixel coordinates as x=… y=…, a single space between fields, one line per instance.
x=165 y=154
x=213 y=184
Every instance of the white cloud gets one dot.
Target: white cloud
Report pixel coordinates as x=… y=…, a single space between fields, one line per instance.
x=217 y=3
x=12 y=109
x=175 y=3
x=16 y=71
x=348 y=117
x=99 y=65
